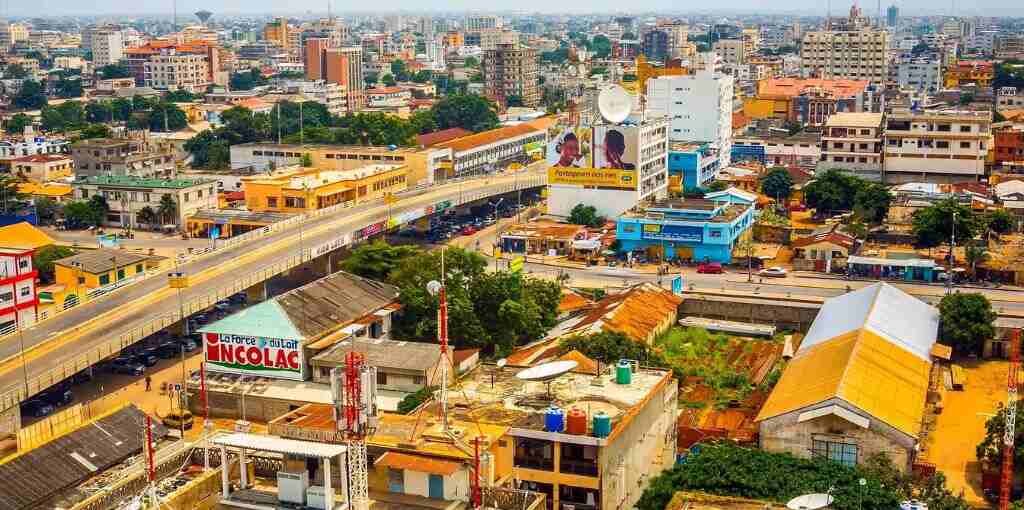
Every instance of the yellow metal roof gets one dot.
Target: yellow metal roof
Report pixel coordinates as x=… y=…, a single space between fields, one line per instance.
x=861 y=368
x=50 y=189
x=23 y=236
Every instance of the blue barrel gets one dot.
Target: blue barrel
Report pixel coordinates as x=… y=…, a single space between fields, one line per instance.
x=624 y=372
x=602 y=424
x=554 y=419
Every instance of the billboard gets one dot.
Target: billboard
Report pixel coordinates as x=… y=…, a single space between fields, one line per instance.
x=280 y=358
x=569 y=147
x=617 y=147
x=673 y=233
x=600 y=177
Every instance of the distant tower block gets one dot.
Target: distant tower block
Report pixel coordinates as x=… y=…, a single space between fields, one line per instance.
x=204 y=16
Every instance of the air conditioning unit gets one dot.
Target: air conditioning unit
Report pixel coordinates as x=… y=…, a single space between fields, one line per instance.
x=292 y=486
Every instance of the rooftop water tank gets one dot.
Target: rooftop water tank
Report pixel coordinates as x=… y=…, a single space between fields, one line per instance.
x=602 y=424
x=577 y=422
x=554 y=419
x=624 y=372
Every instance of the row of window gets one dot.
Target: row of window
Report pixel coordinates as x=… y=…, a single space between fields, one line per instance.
x=389 y=182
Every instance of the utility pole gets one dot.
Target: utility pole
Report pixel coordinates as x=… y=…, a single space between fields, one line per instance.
x=952 y=257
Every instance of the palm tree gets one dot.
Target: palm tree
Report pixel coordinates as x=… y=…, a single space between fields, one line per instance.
x=167 y=209
x=975 y=254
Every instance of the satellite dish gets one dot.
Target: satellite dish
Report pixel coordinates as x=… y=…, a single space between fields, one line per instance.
x=547 y=371
x=614 y=103
x=501 y=363
x=810 y=502
x=434 y=287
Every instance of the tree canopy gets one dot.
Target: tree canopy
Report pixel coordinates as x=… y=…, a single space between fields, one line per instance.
x=934 y=225
x=111 y=71
x=470 y=112
x=377 y=260
x=583 y=214
x=777 y=183
x=966 y=321
x=30 y=97
x=43 y=258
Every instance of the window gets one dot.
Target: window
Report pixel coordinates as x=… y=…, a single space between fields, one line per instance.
x=6 y=296
x=271 y=201
x=942 y=144
x=534 y=454
x=138 y=268
x=843 y=453
x=382 y=378
x=104 y=279
x=578 y=459
x=23 y=264
x=25 y=291
x=120 y=274
x=965 y=145
x=418 y=380
x=965 y=128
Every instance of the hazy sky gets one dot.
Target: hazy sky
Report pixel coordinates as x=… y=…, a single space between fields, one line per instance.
x=810 y=7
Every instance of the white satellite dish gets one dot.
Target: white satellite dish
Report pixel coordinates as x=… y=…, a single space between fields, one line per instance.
x=614 y=103
x=502 y=362
x=810 y=502
x=547 y=371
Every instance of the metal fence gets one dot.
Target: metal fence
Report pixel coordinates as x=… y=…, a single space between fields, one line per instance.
x=12 y=395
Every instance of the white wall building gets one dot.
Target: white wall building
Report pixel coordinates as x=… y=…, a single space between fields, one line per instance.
x=936 y=146
x=107 y=47
x=698 y=108
x=920 y=74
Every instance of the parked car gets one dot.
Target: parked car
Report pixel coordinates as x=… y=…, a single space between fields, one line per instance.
x=127 y=365
x=58 y=396
x=82 y=377
x=147 y=356
x=773 y=272
x=238 y=298
x=37 y=408
x=223 y=305
x=710 y=268
x=169 y=349
x=468 y=230
x=191 y=342
x=178 y=418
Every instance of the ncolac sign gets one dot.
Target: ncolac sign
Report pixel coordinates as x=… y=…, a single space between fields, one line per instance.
x=253 y=355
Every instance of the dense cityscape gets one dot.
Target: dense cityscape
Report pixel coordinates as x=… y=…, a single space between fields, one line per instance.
x=512 y=260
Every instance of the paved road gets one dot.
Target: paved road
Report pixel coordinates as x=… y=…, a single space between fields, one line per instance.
x=75 y=331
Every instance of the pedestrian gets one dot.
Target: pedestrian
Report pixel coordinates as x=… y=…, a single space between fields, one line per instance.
x=149 y=382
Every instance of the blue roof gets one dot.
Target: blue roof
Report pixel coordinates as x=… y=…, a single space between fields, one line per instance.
x=266 y=319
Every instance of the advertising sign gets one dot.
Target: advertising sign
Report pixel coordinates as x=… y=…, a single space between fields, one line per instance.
x=371 y=230
x=332 y=245
x=280 y=358
x=673 y=233
x=569 y=147
x=617 y=147
x=601 y=177
x=677 y=285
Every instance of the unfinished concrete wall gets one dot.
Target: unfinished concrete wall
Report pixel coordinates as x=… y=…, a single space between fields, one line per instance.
x=796 y=316
x=784 y=434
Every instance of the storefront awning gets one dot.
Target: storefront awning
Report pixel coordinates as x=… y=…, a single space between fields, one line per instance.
x=878 y=261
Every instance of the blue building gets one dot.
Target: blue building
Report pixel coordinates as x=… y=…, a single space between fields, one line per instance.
x=748 y=152
x=691 y=165
x=698 y=229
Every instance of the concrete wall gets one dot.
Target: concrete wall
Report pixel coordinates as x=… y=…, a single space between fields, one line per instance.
x=609 y=203
x=778 y=313
x=784 y=434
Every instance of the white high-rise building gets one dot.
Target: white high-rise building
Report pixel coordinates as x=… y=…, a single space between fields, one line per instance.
x=698 y=108
x=107 y=47
x=435 y=53
x=849 y=48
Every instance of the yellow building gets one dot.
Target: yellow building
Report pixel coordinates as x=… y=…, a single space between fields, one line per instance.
x=297 y=189
x=76 y=275
x=421 y=164
x=43 y=167
x=978 y=72
x=23 y=235
x=55 y=191
x=645 y=71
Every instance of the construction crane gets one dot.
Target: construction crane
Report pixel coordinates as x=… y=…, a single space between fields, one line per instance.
x=1009 y=430
x=354 y=389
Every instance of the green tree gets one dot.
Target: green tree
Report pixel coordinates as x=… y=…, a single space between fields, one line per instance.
x=68 y=87
x=43 y=258
x=975 y=254
x=582 y=214
x=423 y=76
x=167 y=117
x=10 y=194
x=422 y=122
x=609 y=347
x=99 y=111
x=82 y=214
x=208 y=151
x=412 y=401
x=471 y=62
x=601 y=46
x=30 y=97
x=122 y=108
x=148 y=216
x=966 y=321
x=371 y=79
x=247 y=80
x=777 y=183
x=933 y=225
x=871 y=201
x=377 y=260
x=999 y=221
x=832 y=191
x=470 y=112
x=46 y=210
x=17 y=124
x=179 y=96
x=91 y=131
x=990 y=450
x=388 y=80
x=167 y=209
x=66 y=116
x=399 y=70
x=112 y=71
x=15 y=72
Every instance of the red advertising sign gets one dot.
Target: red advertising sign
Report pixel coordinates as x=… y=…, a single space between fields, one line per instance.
x=253 y=355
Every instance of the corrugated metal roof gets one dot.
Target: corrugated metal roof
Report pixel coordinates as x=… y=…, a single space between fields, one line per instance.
x=33 y=479
x=23 y=235
x=266 y=319
x=865 y=354
x=885 y=310
x=418 y=463
x=280 y=445
x=102 y=260
x=384 y=354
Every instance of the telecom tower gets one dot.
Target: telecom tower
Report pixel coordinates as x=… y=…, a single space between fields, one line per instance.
x=354 y=389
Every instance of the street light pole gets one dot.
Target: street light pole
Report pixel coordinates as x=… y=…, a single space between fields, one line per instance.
x=952 y=247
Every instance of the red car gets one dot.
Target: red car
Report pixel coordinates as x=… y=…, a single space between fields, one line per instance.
x=469 y=230
x=710 y=268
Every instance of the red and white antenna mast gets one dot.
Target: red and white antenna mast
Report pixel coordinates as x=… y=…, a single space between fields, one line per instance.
x=436 y=288
x=1009 y=430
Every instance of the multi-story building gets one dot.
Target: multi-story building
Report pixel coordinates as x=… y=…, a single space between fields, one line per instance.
x=849 y=48
x=30 y=144
x=920 y=74
x=129 y=196
x=422 y=165
x=331 y=95
x=492 y=38
x=655 y=45
x=40 y=168
x=1008 y=46
x=809 y=100
x=629 y=166
x=892 y=16
x=171 y=69
x=691 y=165
x=937 y=146
x=853 y=142
x=481 y=22
x=107 y=47
x=977 y=72
x=121 y=157
x=283 y=35
x=697 y=229
x=337 y=65
x=698 y=108
x=489 y=151
x=1009 y=98
x=510 y=71
x=1009 y=146
x=336 y=31
x=18 y=299
x=298 y=189
x=732 y=51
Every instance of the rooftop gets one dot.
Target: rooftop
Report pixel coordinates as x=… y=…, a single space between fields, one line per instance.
x=442 y=136
x=102 y=260
x=362 y=149
x=490 y=136
x=493 y=395
x=23 y=236
x=790 y=87
x=43 y=158
x=544 y=229
x=127 y=181
x=854 y=119
x=383 y=353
